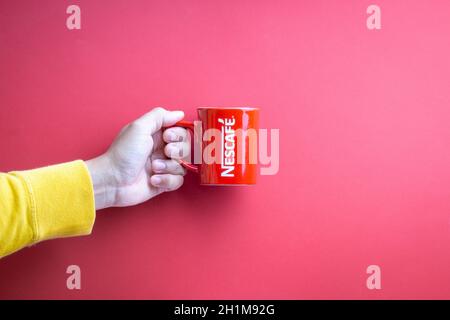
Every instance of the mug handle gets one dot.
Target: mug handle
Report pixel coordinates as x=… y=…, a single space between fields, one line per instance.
x=190 y=126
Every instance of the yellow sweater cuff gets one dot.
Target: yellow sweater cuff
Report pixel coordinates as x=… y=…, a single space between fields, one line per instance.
x=62 y=200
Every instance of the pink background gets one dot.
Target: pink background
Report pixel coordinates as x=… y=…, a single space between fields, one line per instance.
x=365 y=145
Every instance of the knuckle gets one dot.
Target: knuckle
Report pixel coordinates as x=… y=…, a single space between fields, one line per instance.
x=168 y=148
x=168 y=133
x=136 y=125
x=178 y=168
x=172 y=150
x=158 y=110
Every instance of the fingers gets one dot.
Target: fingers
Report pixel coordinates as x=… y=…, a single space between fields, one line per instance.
x=169 y=174
x=177 y=150
x=177 y=145
x=167 y=166
x=175 y=134
x=168 y=182
x=154 y=120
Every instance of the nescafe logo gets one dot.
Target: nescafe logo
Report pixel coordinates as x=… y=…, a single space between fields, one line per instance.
x=228 y=146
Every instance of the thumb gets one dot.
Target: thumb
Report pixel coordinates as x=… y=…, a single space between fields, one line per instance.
x=154 y=120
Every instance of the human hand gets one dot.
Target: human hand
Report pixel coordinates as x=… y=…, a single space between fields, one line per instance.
x=141 y=162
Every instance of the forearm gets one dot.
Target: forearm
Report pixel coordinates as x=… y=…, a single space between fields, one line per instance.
x=46 y=203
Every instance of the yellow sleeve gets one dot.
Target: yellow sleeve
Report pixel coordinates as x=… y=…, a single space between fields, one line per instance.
x=46 y=203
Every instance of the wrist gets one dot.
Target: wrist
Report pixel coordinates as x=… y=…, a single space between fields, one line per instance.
x=103 y=182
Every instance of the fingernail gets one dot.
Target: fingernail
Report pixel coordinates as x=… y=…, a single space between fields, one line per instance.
x=156 y=180
x=178 y=114
x=159 y=165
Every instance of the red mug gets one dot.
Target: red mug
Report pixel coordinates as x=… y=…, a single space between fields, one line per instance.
x=225 y=145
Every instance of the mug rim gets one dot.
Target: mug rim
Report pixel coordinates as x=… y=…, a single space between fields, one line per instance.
x=229 y=108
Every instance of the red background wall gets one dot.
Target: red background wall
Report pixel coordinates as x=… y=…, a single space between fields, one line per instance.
x=365 y=145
